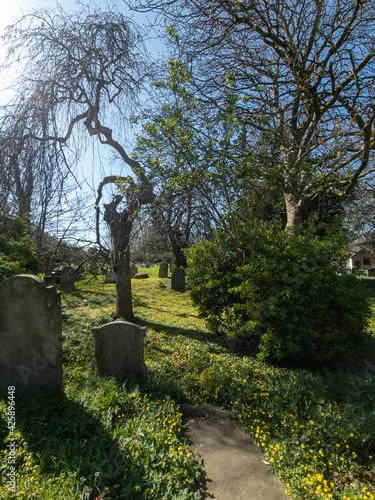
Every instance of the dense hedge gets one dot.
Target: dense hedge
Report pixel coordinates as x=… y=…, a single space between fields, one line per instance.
x=289 y=299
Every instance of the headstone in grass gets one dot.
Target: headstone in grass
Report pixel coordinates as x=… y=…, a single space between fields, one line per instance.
x=133 y=270
x=110 y=277
x=119 y=347
x=178 y=280
x=141 y=276
x=68 y=278
x=30 y=335
x=163 y=270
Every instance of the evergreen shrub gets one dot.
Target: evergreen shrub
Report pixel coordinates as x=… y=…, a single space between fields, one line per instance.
x=16 y=253
x=289 y=299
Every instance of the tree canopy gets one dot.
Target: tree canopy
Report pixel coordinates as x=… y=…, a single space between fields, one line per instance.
x=304 y=77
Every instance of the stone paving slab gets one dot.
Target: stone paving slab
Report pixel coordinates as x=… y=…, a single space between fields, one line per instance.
x=233 y=464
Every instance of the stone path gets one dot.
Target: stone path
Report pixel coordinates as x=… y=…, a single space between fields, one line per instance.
x=234 y=465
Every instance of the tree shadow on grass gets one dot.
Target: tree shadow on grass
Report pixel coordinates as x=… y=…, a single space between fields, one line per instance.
x=235 y=346
x=205 y=337
x=94 y=294
x=65 y=438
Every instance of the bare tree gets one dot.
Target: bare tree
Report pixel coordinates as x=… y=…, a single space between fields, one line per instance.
x=80 y=71
x=304 y=75
x=120 y=224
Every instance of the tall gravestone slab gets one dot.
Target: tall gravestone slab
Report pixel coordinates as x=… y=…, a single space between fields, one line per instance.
x=178 y=280
x=68 y=278
x=119 y=347
x=30 y=335
x=110 y=277
x=133 y=270
x=163 y=270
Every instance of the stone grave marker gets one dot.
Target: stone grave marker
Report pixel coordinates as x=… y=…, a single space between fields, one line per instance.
x=141 y=276
x=163 y=270
x=68 y=278
x=133 y=270
x=178 y=280
x=119 y=347
x=30 y=335
x=110 y=277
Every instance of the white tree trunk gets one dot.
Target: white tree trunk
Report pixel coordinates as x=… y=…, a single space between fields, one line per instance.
x=295 y=205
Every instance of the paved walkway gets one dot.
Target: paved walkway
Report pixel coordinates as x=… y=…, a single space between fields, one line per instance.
x=234 y=465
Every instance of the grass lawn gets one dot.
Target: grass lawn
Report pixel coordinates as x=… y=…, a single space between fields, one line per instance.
x=111 y=439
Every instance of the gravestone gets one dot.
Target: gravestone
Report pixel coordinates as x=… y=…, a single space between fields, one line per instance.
x=163 y=270
x=141 y=276
x=119 y=347
x=30 y=335
x=178 y=280
x=133 y=270
x=110 y=277
x=68 y=278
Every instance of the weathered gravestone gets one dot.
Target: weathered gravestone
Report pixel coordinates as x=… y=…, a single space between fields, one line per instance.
x=30 y=335
x=178 y=280
x=119 y=347
x=133 y=270
x=68 y=278
x=163 y=270
x=110 y=277
x=141 y=276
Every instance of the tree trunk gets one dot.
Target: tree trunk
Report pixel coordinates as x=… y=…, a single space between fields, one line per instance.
x=120 y=226
x=178 y=252
x=295 y=206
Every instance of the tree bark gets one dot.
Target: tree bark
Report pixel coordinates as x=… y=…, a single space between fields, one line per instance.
x=120 y=225
x=295 y=207
x=178 y=252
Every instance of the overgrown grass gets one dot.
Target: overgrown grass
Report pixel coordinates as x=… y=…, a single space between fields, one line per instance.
x=107 y=438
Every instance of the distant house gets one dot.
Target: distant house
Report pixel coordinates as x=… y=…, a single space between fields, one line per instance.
x=361 y=260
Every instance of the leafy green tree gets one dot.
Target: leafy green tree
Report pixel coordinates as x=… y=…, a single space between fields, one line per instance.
x=204 y=166
x=167 y=144
x=16 y=252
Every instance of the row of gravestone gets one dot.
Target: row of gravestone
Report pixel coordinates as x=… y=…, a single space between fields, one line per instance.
x=31 y=339
x=66 y=276
x=177 y=278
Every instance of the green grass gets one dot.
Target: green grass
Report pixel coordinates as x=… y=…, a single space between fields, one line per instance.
x=106 y=438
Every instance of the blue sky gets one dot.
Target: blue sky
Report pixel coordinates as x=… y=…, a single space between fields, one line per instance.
x=13 y=9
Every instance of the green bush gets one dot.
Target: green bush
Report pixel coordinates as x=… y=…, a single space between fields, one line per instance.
x=288 y=300
x=16 y=253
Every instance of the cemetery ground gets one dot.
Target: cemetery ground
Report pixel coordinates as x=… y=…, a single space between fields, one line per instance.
x=107 y=438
